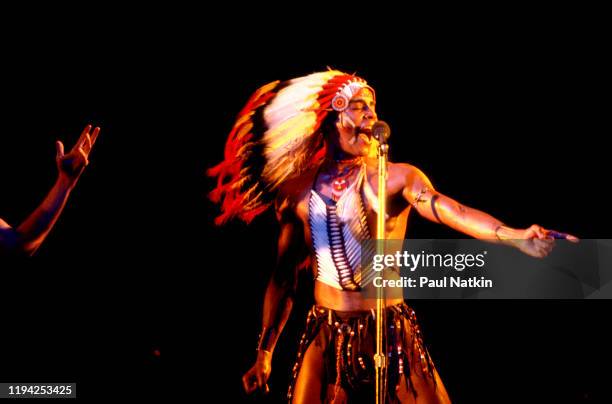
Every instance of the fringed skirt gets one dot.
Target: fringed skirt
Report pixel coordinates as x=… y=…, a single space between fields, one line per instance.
x=349 y=343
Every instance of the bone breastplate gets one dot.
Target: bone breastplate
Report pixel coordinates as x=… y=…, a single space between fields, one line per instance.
x=337 y=231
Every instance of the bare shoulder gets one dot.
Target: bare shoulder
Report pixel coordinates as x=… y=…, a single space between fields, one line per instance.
x=404 y=169
x=408 y=175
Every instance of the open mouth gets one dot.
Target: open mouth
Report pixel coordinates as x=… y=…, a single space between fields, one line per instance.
x=365 y=134
x=365 y=137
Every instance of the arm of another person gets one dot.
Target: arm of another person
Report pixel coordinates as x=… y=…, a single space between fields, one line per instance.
x=29 y=235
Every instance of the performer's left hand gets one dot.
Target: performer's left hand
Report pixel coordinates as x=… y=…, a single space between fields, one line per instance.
x=70 y=166
x=539 y=242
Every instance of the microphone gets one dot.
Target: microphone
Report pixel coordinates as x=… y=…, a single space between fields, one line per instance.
x=381 y=132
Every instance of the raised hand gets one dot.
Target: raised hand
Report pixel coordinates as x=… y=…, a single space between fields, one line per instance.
x=71 y=165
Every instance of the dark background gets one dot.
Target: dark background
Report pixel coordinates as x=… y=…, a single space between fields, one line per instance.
x=505 y=117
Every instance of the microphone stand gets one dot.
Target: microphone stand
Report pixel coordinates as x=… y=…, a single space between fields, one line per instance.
x=380 y=358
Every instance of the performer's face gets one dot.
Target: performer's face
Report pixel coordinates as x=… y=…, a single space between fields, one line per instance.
x=355 y=124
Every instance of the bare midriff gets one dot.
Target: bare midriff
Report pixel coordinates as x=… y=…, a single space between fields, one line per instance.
x=341 y=300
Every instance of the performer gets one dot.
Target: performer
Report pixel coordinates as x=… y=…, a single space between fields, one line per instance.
x=27 y=237
x=306 y=147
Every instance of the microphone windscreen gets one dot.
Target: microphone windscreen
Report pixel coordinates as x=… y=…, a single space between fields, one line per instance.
x=381 y=131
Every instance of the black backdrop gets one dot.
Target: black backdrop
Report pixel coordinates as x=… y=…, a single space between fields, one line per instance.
x=504 y=120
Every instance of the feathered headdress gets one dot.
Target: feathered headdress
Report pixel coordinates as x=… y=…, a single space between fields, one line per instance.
x=276 y=137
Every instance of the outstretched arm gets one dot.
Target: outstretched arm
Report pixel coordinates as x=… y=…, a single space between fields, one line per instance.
x=534 y=240
x=278 y=300
x=28 y=236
